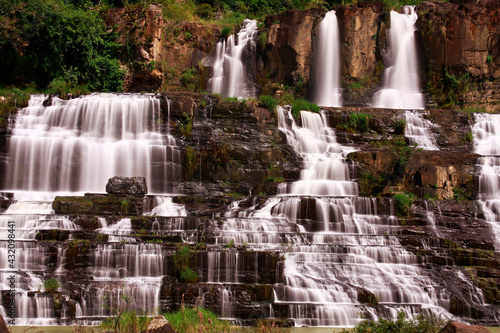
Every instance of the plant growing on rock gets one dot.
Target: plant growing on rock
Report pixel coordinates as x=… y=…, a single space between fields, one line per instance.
x=51 y=285
x=194 y=319
x=303 y=105
x=181 y=265
x=269 y=102
x=403 y=203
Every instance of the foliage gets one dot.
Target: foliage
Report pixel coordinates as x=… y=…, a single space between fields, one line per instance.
x=181 y=264
x=402 y=154
x=459 y=194
x=423 y=324
x=205 y=11
x=370 y=185
x=303 y=105
x=128 y=322
x=456 y=87
x=186 y=125
x=45 y=40
x=191 y=160
x=359 y=121
x=403 y=203
x=400 y=126
x=226 y=32
x=194 y=319
x=269 y=102
x=51 y=285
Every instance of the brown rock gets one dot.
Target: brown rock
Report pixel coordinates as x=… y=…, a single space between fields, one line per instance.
x=456 y=327
x=159 y=325
x=289 y=44
x=3 y=326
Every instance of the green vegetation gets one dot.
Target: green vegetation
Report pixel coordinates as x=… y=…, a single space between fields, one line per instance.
x=402 y=154
x=181 y=264
x=303 y=105
x=400 y=126
x=51 y=285
x=194 y=319
x=431 y=324
x=403 y=203
x=358 y=122
x=50 y=42
x=459 y=194
x=471 y=109
x=268 y=102
x=122 y=319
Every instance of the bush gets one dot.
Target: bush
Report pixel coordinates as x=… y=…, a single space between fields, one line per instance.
x=181 y=265
x=400 y=126
x=205 y=11
x=359 y=121
x=51 y=285
x=268 y=102
x=194 y=319
x=429 y=324
x=303 y=105
x=403 y=203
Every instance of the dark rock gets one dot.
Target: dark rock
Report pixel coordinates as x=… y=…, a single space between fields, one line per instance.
x=98 y=204
x=159 y=325
x=3 y=326
x=127 y=185
x=456 y=327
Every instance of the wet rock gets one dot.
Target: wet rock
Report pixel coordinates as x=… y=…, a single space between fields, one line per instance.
x=3 y=326
x=456 y=327
x=98 y=204
x=127 y=185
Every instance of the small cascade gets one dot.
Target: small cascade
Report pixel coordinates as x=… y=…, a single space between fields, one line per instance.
x=401 y=88
x=234 y=64
x=77 y=145
x=340 y=255
x=327 y=91
x=418 y=131
x=486 y=134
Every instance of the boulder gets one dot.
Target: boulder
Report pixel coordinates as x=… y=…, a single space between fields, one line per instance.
x=456 y=327
x=159 y=325
x=127 y=185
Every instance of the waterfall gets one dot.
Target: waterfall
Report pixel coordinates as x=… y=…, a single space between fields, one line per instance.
x=418 y=131
x=234 y=64
x=486 y=134
x=401 y=88
x=77 y=145
x=327 y=91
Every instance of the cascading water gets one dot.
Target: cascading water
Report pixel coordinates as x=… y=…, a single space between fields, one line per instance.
x=418 y=131
x=234 y=64
x=77 y=145
x=401 y=88
x=337 y=249
x=327 y=91
x=486 y=134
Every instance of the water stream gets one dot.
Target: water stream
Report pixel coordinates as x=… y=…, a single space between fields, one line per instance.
x=234 y=63
x=401 y=89
x=326 y=74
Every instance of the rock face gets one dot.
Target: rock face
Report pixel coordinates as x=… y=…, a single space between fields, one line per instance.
x=159 y=325
x=460 y=45
x=360 y=25
x=289 y=47
x=127 y=185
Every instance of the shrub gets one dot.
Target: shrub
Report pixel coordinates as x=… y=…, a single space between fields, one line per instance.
x=359 y=121
x=226 y=32
x=303 y=105
x=181 y=265
x=400 y=126
x=268 y=102
x=194 y=319
x=205 y=11
x=423 y=324
x=403 y=203
x=188 y=276
x=51 y=285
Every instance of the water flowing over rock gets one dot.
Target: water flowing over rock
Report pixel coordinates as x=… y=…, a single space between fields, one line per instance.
x=234 y=66
x=401 y=88
x=326 y=63
x=77 y=145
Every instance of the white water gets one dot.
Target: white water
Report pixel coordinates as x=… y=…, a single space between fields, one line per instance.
x=418 y=131
x=335 y=243
x=486 y=134
x=327 y=91
x=77 y=145
x=401 y=88
x=231 y=69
